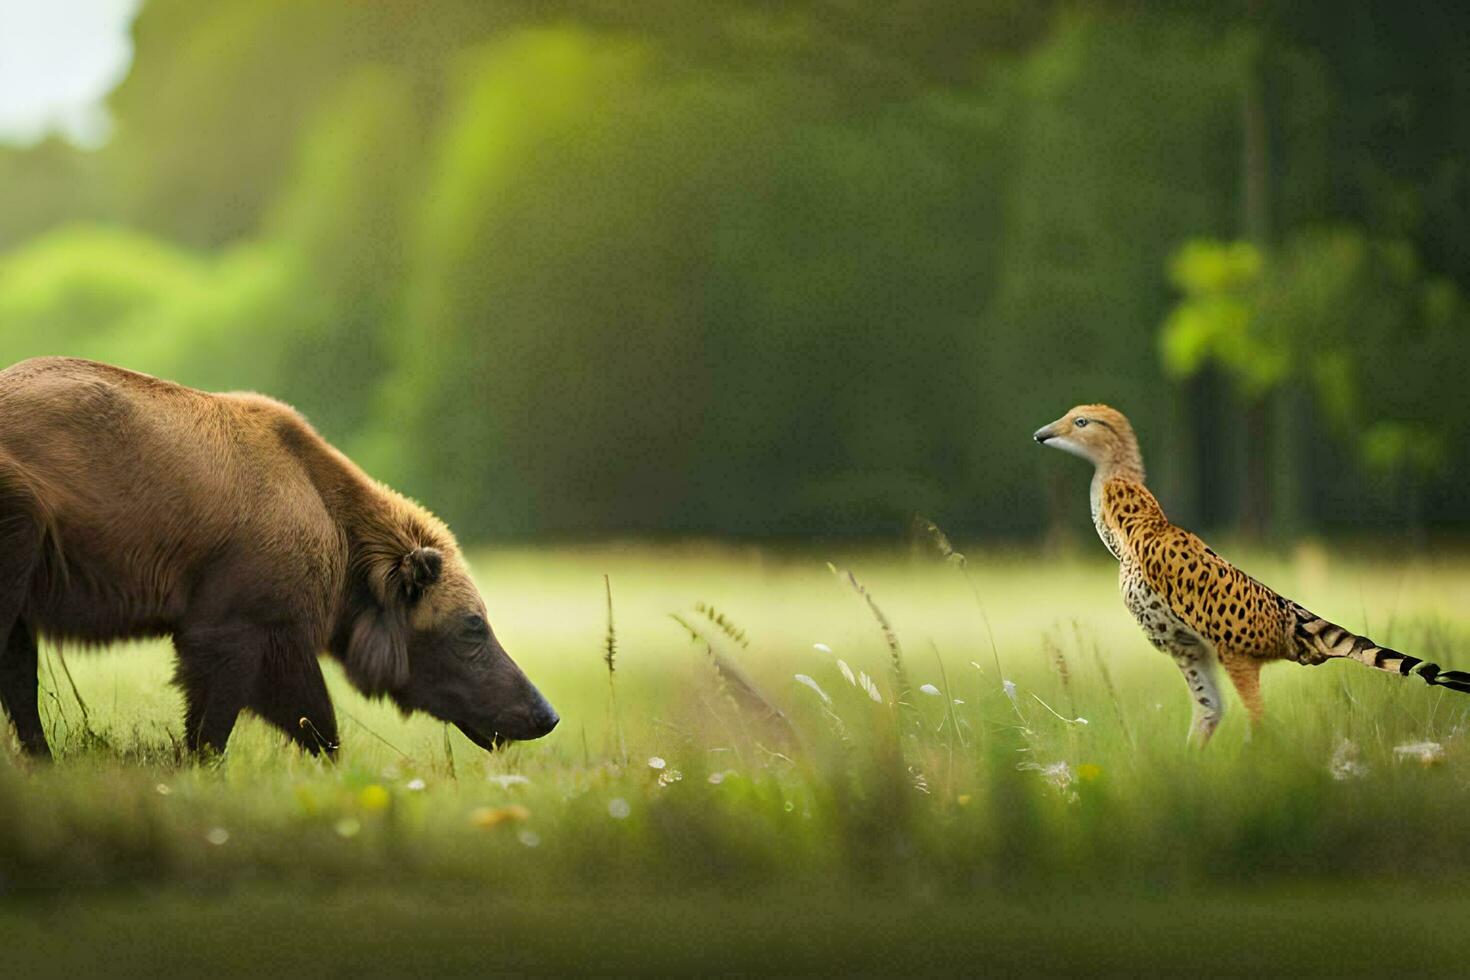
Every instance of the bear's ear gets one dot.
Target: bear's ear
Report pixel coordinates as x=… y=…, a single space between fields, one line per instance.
x=418 y=570
x=376 y=657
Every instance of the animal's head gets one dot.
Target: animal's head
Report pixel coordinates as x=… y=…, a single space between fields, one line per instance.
x=417 y=633
x=1097 y=433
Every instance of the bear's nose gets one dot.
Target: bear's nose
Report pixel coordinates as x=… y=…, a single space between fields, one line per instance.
x=544 y=718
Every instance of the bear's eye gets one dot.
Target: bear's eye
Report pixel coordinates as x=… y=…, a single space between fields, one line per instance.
x=1080 y=423
x=474 y=624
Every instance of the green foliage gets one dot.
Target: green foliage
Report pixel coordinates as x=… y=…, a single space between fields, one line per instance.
x=582 y=267
x=1393 y=446
x=1218 y=320
x=76 y=288
x=1348 y=315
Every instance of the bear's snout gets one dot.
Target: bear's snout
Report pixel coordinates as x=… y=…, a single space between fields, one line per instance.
x=543 y=718
x=535 y=718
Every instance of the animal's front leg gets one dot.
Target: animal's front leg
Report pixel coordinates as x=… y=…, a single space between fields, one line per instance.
x=1196 y=662
x=291 y=694
x=217 y=670
x=224 y=670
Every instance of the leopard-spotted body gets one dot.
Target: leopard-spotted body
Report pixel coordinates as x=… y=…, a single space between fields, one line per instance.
x=1190 y=602
x=1192 y=653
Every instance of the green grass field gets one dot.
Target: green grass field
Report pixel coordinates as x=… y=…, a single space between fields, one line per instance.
x=708 y=810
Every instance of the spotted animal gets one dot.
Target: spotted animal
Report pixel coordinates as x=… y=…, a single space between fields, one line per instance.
x=1191 y=603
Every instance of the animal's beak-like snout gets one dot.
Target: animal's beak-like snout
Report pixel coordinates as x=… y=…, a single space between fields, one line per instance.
x=1042 y=434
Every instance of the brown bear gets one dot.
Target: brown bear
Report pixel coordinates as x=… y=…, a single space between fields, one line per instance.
x=133 y=507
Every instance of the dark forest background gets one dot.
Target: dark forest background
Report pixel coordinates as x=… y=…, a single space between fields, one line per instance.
x=785 y=268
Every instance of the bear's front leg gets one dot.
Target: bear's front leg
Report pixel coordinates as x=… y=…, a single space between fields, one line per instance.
x=226 y=669
x=217 y=670
x=291 y=694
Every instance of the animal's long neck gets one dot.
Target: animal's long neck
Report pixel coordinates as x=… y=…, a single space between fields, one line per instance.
x=1125 y=463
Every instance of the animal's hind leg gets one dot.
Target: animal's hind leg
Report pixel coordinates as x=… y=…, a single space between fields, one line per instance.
x=1245 y=674
x=18 y=689
x=20 y=549
x=1196 y=661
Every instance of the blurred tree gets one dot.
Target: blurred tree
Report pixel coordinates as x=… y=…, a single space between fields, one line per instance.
x=1342 y=315
x=713 y=330
x=71 y=290
x=1259 y=510
x=339 y=230
x=1088 y=206
x=208 y=118
x=49 y=184
x=1218 y=320
x=1365 y=315
x=576 y=266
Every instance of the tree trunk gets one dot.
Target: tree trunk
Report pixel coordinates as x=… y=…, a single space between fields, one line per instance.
x=1256 y=507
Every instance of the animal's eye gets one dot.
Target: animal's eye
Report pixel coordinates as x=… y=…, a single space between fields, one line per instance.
x=474 y=623
x=1080 y=423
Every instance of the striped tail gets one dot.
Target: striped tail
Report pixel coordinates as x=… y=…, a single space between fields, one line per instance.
x=1317 y=640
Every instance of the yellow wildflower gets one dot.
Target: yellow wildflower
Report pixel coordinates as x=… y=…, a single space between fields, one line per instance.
x=493 y=816
x=374 y=797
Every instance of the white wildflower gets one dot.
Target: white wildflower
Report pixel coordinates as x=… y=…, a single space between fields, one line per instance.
x=656 y=762
x=929 y=689
x=1059 y=774
x=1010 y=689
x=618 y=808
x=217 y=836
x=162 y=789
x=669 y=776
x=822 y=647
x=804 y=679
x=415 y=785
x=507 y=780
x=1345 y=764
x=1425 y=753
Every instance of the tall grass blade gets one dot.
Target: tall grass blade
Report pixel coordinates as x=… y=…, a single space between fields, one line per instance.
x=610 y=658
x=890 y=636
x=738 y=686
x=948 y=553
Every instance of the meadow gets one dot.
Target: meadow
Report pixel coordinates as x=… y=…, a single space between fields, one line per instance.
x=858 y=760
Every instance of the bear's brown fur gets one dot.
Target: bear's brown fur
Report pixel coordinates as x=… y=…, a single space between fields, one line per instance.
x=133 y=507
